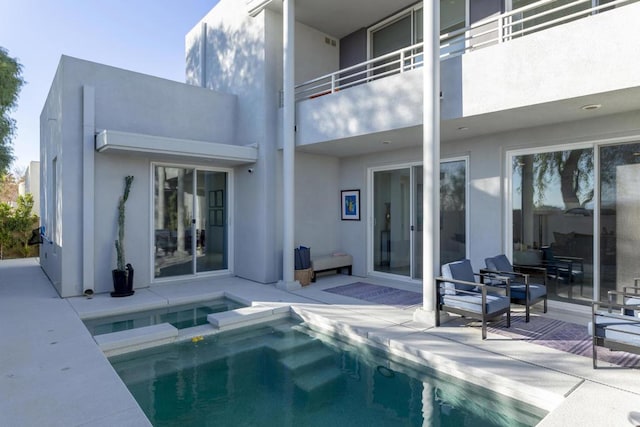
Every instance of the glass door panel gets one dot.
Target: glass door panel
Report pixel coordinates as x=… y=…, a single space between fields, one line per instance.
x=389 y=39
x=452 y=18
x=417 y=222
x=173 y=202
x=552 y=212
x=211 y=221
x=619 y=215
x=453 y=190
x=392 y=216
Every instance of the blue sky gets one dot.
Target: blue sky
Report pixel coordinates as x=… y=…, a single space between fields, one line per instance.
x=140 y=35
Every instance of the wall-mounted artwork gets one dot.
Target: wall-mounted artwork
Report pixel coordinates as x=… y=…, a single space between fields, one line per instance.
x=350 y=205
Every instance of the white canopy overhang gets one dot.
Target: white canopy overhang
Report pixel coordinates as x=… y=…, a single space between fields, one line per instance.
x=116 y=141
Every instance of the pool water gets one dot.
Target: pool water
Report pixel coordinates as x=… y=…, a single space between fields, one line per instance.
x=181 y=316
x=283 y=374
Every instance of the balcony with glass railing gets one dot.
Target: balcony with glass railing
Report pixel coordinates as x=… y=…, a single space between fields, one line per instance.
x=499 y=29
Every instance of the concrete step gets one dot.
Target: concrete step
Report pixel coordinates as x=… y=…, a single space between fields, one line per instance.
x=301 y=361
x=319 y=379
x=290 y=344
x=246 y=316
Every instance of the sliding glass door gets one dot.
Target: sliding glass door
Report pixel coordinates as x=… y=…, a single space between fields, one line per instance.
x=552 y=218
x=619 y=219
x=190 y=221
x=453 y=210
x=398 y=217
x=392 y=223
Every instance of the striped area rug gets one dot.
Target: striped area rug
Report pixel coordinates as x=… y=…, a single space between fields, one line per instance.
x=378 y=294
x=562 y=336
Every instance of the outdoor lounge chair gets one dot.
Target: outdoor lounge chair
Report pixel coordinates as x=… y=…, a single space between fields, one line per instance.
x=457 y=292
x=563 y=268
x=614 y=328
x=524 y=291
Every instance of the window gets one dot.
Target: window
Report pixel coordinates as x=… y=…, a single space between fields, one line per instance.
x=552 y=218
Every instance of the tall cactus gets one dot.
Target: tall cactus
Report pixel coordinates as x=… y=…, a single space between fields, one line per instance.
x=120 y=242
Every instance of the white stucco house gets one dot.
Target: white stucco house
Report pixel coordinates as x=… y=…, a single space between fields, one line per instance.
x=537 y=144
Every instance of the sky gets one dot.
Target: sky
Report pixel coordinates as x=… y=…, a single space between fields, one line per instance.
x=146 y=36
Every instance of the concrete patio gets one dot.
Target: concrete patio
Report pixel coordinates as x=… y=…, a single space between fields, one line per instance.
x=53 y=373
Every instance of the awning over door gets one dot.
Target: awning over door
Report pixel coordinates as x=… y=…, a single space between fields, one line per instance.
x=117 y=141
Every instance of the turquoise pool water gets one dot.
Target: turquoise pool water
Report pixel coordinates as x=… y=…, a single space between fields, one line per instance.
x=181 y=316
x=283 y=374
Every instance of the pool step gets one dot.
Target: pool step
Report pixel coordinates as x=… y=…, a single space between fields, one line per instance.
x=299 y=362
x=319 y=379
x=290 y=344
x=312 y=368
x=246 y=316
x=115 y=343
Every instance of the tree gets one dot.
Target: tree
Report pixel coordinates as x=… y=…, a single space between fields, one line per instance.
x=15 y=228
x=9 y=184
x=572 y=168
x=10 y=83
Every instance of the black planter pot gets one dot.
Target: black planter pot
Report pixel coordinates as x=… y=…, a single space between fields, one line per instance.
x=122 y=282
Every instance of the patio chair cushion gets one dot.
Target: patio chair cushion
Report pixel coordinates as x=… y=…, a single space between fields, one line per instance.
x=625 y=331
x=458 y=270
x=535 y=291
x=499 y=263
x=473 y=303
x=632 y=301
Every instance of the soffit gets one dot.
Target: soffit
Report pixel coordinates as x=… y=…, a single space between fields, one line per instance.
x=534 y=116
x=339 y=18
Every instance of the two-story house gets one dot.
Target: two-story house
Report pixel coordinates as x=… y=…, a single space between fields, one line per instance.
x=466 y=128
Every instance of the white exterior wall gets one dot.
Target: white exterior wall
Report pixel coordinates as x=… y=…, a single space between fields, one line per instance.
x=314 y=57
x=587 y=56
x=50 y=149
x=317 y=203
x=124 y=101
x=362 y=109
x=243 y=55
x=234 y=62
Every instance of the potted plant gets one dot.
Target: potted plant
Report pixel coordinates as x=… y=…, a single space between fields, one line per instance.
x=123 y=274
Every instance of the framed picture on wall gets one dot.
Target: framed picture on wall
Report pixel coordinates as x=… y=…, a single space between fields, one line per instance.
x=350 y=205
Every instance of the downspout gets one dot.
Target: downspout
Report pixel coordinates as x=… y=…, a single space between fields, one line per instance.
x=431 y=161
x=288 y=168
x=88 y=188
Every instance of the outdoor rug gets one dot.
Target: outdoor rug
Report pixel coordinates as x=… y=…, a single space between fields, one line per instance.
x=378 y=294
x=563 y=336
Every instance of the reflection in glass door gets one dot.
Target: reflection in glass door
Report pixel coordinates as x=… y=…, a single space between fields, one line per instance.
x=453 y=210
x=391 y=229
x=211 y=221
x=619 y=220
x=190 y=221
x=552 y=208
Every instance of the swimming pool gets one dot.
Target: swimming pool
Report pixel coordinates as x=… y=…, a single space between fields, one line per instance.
x=181 y=316
x=283 y=374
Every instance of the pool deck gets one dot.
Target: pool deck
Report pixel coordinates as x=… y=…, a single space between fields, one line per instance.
x=53 y=373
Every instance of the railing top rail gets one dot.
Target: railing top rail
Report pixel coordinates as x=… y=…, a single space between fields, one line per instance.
x=365 y=64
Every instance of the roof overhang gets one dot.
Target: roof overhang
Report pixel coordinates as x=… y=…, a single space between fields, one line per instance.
x=117 y=141
x=337 y=18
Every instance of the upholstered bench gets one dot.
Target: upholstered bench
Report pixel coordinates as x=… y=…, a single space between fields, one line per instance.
x=336 y=261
